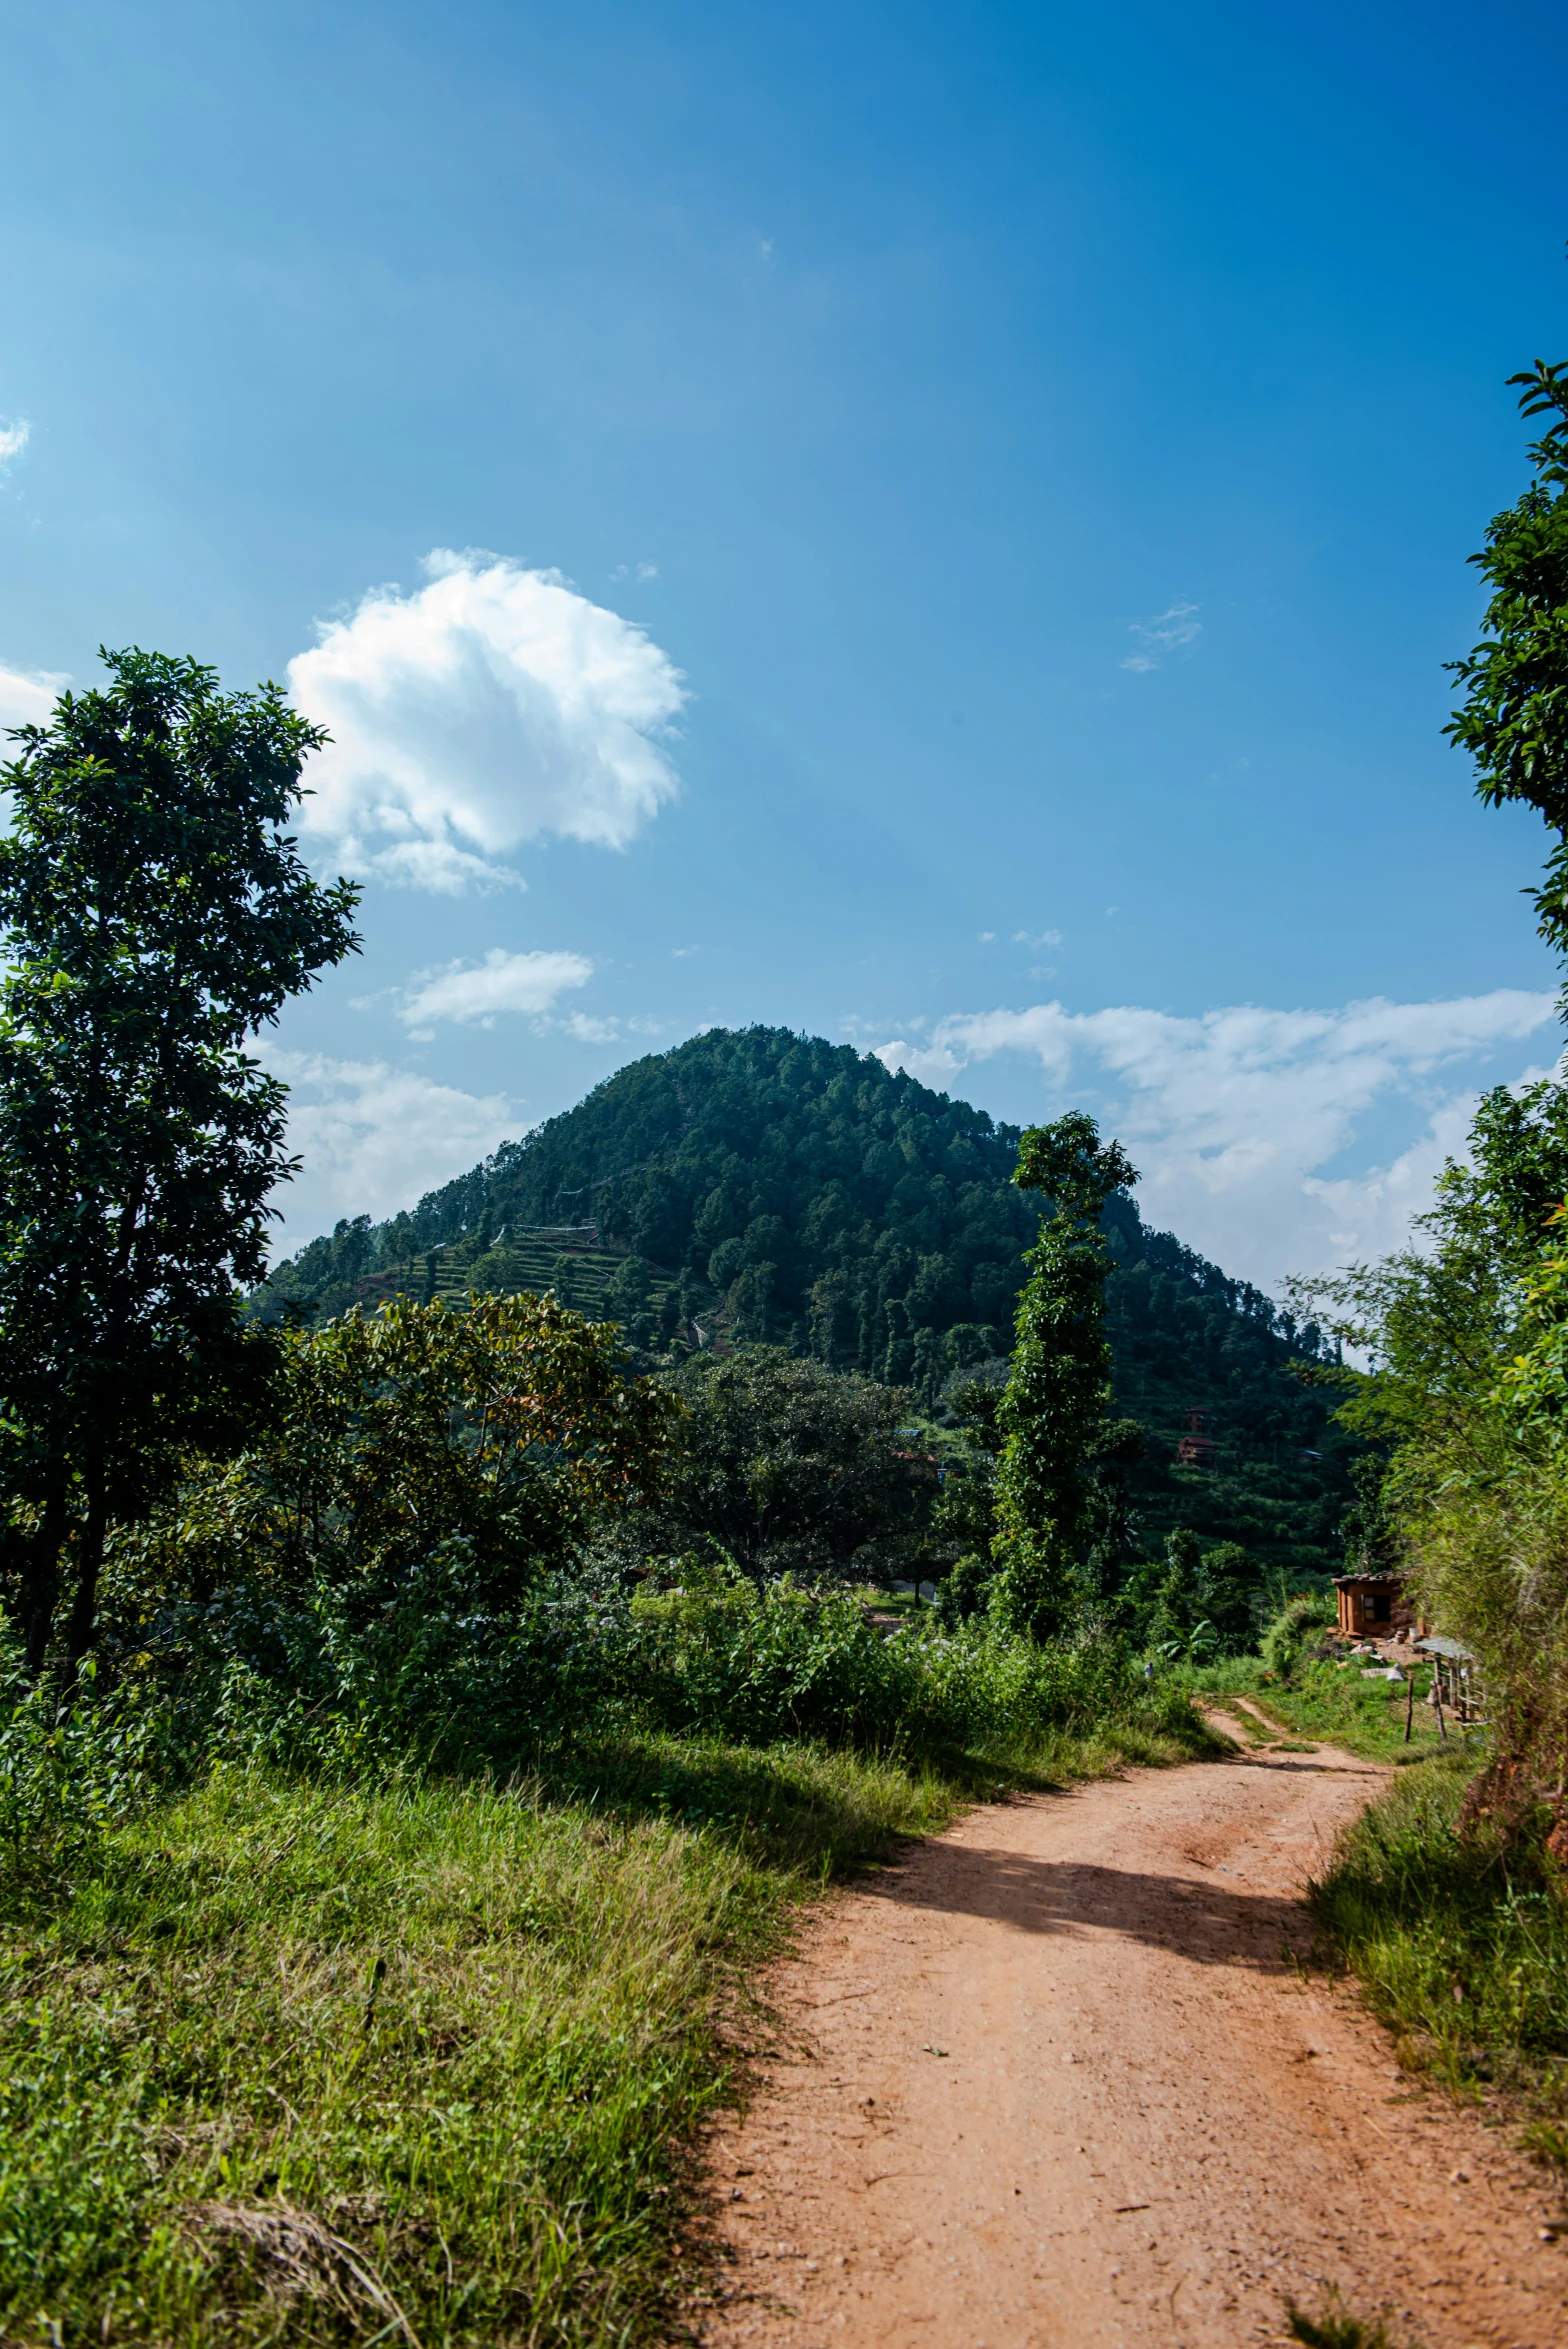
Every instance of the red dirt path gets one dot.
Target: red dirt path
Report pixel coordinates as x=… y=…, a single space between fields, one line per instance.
x=1054 y=2082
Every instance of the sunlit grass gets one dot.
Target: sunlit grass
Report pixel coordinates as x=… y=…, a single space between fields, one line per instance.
x=300 y=2063
x=1461 y=1945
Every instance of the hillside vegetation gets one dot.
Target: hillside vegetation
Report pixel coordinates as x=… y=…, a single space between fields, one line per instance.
x=759 y=1184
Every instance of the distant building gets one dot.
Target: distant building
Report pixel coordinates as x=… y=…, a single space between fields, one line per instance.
x=1196 y=1449
x=1373 y=1606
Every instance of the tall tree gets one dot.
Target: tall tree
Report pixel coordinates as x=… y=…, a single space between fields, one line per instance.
x=791 y=1467
x=154 y=915
x=1059 y=1392
x=1514 y=718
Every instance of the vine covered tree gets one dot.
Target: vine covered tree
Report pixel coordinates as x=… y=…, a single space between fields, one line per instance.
x=1058 y=1395
x=154 y=915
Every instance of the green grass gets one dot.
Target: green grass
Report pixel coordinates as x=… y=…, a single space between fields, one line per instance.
x=1460 y=1947
x=292 y=2063
x=1335 y=2328
x=1366 y=1717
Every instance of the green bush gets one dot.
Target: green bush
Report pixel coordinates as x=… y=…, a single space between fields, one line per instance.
x=780 y=1662
x=1300 y=1624
x=66 y=1773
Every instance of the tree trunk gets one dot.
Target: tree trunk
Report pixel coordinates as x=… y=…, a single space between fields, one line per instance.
x=41 y=1588
x=84 y=1607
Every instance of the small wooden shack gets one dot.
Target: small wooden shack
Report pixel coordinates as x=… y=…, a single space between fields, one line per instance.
x=1373 y=1606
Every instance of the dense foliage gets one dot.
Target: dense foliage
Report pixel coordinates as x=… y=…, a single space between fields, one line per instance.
x=787 y=1467
x=1467 y=1330
x=763 y=1184
x=154 y=914
x=1058 y=1392
x=1514 y=718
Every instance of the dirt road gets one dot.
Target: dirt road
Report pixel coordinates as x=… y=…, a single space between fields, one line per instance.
x=1054 y=2082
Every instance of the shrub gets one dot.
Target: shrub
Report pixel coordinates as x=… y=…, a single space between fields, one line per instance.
x=780 y=1662
x=1299 y=1625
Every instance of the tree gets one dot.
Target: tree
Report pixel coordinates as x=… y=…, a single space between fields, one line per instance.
x=504 y=1431
x=1466 y=1394
x=965 y=1511
x=791 y=1467
x=154 y=915
x=1229 y=1582
x=1109 y=1518
x=1059 y=1391
x=1514 y=719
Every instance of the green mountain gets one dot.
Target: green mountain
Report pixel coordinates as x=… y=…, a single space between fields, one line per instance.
x=759 y=1184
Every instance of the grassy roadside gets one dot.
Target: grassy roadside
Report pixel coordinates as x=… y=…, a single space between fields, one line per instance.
x=1323 y=1701
x=298 y=2063
x=1461 y=1948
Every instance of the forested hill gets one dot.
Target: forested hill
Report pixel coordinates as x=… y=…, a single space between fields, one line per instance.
x=758 y=1183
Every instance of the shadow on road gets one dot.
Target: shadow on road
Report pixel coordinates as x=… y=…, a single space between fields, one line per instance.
x=1206 y=1922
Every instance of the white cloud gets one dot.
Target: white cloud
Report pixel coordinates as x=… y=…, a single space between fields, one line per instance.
x=1037 y=937
x=492 y=706
x=375 y=1138
x=1167 y=632
x=27 y=698
x=466 y=991
x=1234 y=1118
x=14 y=439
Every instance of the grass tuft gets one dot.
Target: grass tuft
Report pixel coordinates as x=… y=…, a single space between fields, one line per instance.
x=1334 y=2328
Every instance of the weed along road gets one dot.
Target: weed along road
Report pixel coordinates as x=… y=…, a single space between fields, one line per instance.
x=1057 y=2081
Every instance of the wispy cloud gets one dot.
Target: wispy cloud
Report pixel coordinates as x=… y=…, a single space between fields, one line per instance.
x=492 y=706
x=13 y=440
x=469 y=992
x=375 y=1138
x=1167 y=632
x=1237 y=1118
x=27 y=698
x=1037 y=937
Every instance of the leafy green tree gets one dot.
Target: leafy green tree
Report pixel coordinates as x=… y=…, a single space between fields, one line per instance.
x=1181 y=1608
x=1371 y=1534
x=508 y=1429
x=965 y=1511
x=1229 y=1591
x=1466 y=1396
x=1110 y=1517
x=154 y=915
x=1514 y=718
x=792 y=1467
x=1058 y=1395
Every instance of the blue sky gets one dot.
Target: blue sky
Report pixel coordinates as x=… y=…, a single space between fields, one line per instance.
x=1009 y=472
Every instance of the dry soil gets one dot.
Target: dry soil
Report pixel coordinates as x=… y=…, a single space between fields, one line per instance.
x=1057 y=2080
